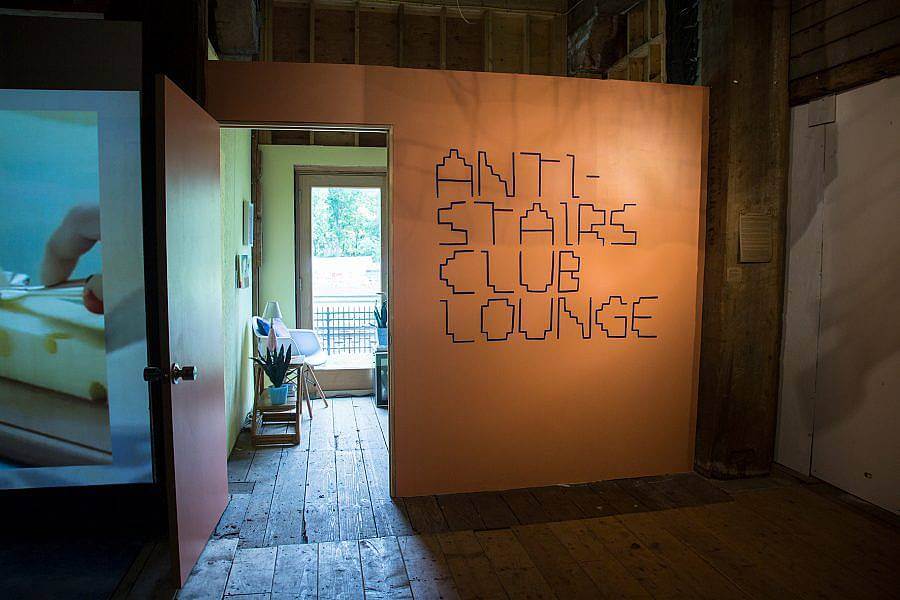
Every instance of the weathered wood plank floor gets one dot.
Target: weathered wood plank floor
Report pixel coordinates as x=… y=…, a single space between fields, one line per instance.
x=317 y=521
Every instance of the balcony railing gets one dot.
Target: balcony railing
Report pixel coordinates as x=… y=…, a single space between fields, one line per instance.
x=345 y=323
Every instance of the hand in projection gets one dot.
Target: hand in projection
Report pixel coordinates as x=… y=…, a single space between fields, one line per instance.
x=75 y=236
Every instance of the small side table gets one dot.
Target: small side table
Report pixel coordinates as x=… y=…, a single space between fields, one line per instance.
x=276 y=414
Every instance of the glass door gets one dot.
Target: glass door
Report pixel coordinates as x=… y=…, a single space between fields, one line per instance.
x=342 y=255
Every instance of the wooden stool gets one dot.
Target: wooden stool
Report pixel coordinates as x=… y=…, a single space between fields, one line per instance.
x=288 y=413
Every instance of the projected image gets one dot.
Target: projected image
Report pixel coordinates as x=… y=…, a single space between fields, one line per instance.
x=73 y=324
x=54 y=405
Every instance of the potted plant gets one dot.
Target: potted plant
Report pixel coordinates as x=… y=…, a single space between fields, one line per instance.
x=381 y=323
x=275 y=366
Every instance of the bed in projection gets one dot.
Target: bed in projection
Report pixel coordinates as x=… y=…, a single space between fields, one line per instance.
x=73 y=407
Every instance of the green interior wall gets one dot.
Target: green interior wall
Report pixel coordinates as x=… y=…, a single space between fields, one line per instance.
x=236 y=302
x=277 y=271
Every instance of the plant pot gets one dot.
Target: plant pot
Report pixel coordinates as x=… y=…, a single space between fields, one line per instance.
x=278 y=395
x=382 y=337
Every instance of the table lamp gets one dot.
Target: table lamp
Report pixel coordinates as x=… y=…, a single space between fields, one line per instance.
x=272 y=312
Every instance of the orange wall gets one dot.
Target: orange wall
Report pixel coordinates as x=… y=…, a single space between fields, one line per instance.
x=503 y=414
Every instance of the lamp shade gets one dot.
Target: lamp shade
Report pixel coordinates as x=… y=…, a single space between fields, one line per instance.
x=272 y=310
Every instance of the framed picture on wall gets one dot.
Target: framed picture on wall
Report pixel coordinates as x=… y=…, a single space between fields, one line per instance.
x=242 y=266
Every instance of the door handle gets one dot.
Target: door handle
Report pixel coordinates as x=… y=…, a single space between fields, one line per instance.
x=186 y=373
x=153 y=374
x=177 y=373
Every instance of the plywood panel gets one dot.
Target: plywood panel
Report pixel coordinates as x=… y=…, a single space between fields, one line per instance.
x=335 y=35
x=807 y=14
x=846 y=23
x=854 y=46
x=421 y=41
x=594 y=408
x=793 y=445
x=290 y=33
x=540 y=46
x=508 y=42
x=867 y=69
x=377 y=37
x=855 y=445
x=465 y=44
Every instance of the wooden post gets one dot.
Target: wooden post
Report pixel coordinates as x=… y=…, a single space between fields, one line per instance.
x=526 y=44
x=257 y=138
x=488 y=42
x=443 y=37
x=356 y=34
x=312 y=32
x=265 y=50
x=745 y=64
x=401 y=25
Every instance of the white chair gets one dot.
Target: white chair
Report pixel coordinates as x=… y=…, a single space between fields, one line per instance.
x=309 y=344
x=305 y=345
x=262 y=340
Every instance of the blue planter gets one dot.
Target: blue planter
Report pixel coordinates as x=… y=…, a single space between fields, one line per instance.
x=382 y=337
x=278 y=395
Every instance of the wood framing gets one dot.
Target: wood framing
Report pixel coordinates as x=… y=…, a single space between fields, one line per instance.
x=840 y=44
x=436 y=35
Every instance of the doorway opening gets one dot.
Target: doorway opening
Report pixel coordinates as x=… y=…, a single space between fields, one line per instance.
x=311 y=214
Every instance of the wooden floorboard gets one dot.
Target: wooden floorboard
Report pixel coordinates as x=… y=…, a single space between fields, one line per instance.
x=558 y=502
x=320 y=508
x=706 y=581
x=355 y=517
x=429 y=575
x=296 y=572
x=493 y=511
x=340 y=570
x=608 y=574
x=749 y=572
x=263 y=472
x=525 y=507
x=514 y=568
x=317 y=521
x=425 y=514
x=471 y=569
x=655 y=573
x=460 y=512
x=384 y=574
x=285 y=522
x=557 y=566
x=368 y=425
x=251 y=572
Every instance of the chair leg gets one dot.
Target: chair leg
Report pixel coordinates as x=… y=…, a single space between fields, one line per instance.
x=318 y=386
x=302 y=377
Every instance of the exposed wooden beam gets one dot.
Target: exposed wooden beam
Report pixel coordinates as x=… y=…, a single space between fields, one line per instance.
x=312 y=32
x=745 y=63
x=443 y=37
x=356 y=34
x=265 y=51
x=401 y=25
x=873 y=67
x=488 y=42
x=526 y=44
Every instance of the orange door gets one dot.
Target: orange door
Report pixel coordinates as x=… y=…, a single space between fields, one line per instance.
x=191 y=323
